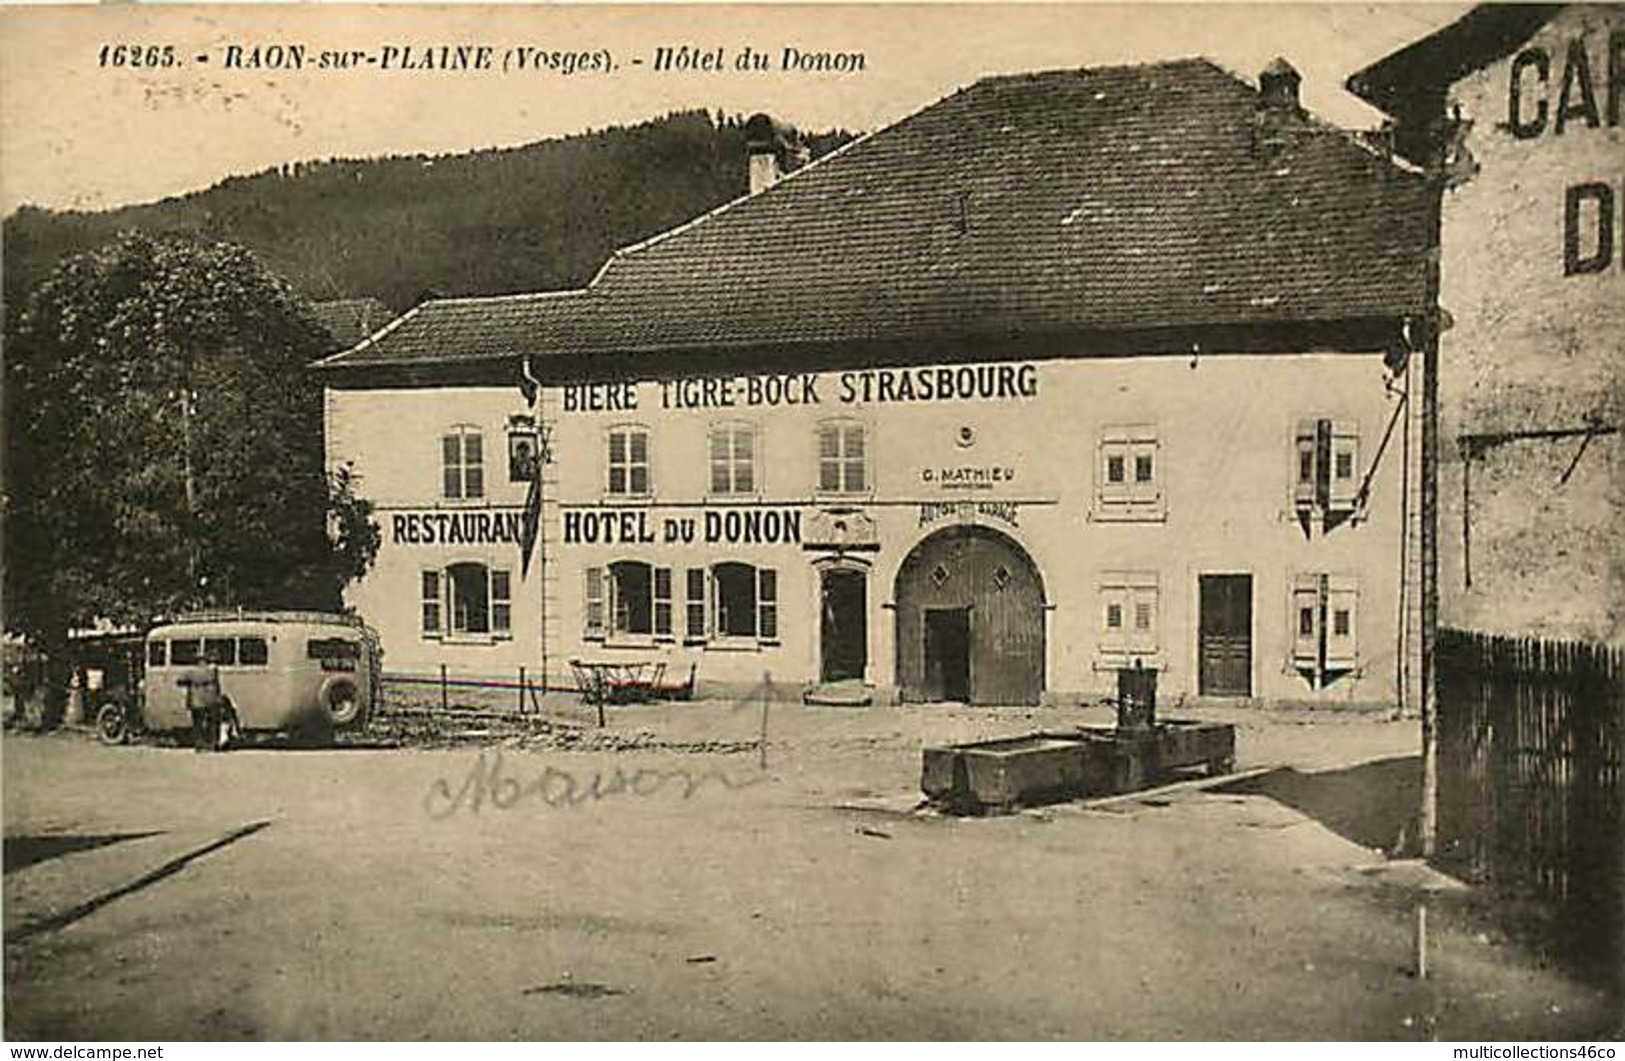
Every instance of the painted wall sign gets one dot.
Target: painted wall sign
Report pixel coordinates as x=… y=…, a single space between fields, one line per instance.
x=1588 y=93
x=968 y=478
x=1007 y=382
x=733 y=526
x=1003 y=511
x=456 y=528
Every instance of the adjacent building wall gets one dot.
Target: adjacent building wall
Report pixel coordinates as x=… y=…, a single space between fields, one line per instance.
x=1533 y=278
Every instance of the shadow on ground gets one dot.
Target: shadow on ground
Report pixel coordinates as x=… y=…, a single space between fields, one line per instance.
x=24 y=851
x=1373 y=804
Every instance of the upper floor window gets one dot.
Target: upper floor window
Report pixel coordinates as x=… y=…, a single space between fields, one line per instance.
x=629 y=461
x=1128 y=475
x=1326 y=465
x=733 y=458
x=842 y=457
x=462 y=460
x=467 y=600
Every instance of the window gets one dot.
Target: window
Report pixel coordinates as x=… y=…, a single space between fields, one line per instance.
x=467 y=601
x=632 y=597
x=185 y=653
x=462 y=458
x=1325 y=617
x=1327 y=465
x=156 y=651
x=630 y=588
x=221 y=651
x=253 y=652
x=732 y=600
x=736 y=599
x=1129 y=621
x=629 y=461
x=431 y=603
x=1128 y=486
x=842 y=460
x=733 y=459
x=470 y=598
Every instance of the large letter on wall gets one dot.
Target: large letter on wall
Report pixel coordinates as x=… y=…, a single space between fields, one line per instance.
x=1574 y=199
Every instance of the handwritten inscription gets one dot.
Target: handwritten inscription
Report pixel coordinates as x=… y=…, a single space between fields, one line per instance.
x=489 y=784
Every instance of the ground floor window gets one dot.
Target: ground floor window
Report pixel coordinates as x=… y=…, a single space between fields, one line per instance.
x=1128 y=617
x=629 y=598
x=635 y=600
x=1324 y=612
x=731 y=600
x=467 y=600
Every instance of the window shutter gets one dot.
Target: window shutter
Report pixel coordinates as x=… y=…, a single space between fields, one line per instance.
x=721 y=457
x=1345 y=464
x=1114 y=618
x=431 y=604
x=451 y=464
x=501 y=603
x=473 y=465
x=1142 y=628
x=617 y=462
x=698 y=581
x=594 y=596
x=856 y=457
x=767 y=604
x=829 y=457
x=1342 y=622
x=1306 y=621
x=1142 y=465
x=744 y=459
x=1305 y=466
x=662 y=595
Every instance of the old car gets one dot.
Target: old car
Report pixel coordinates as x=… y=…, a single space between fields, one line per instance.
x=301 y=673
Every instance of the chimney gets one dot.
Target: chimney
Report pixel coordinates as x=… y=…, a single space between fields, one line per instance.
x=1278 y=87
x=774 y=148
x=1279 y=114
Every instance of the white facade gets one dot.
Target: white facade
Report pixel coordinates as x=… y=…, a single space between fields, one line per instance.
x=1208 y=449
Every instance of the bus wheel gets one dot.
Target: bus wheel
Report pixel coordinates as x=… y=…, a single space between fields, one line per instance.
x=341 y=699
x=112 y=725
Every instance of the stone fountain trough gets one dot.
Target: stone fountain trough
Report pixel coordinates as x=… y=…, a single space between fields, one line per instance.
x=998 y=776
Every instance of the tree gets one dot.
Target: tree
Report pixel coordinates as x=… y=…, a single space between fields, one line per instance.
x=164 y=444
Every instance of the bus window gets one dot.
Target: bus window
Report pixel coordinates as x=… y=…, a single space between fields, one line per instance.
x=155 y=653
x=185 y=653
x=253 y=651
x=335 y=653
x=221 y=651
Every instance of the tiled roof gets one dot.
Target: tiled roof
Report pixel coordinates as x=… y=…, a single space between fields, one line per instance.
x=1422 y=68
x=1100 y=199
x=350 y=320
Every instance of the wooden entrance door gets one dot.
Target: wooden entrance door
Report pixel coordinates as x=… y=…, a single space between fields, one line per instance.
x=947 y=654
x=844 y=627
x=984 y=574
x=1226 y=636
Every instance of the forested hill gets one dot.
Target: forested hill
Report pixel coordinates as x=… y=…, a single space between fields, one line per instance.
x=532 y=218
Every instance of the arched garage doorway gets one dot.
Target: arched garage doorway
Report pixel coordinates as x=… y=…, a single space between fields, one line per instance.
x=970 y=619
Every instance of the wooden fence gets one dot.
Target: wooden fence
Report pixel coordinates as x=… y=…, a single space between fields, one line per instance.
x=1531 y=735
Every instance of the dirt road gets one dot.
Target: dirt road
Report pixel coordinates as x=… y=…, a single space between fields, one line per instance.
x=655 y=893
